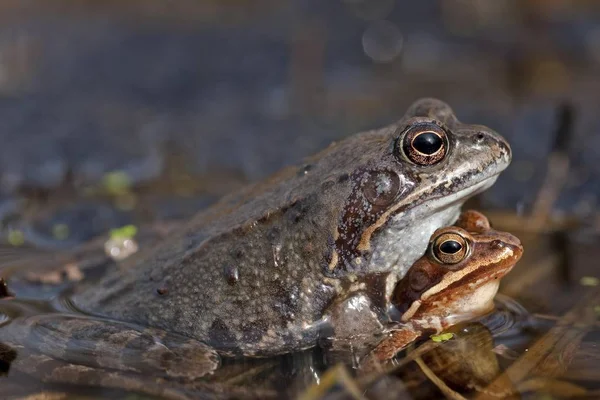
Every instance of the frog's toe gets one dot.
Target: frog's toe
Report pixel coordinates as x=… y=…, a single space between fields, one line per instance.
x=113 y=345
x=189 y=360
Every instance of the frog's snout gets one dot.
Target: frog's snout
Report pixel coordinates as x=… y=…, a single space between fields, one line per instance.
x=508 y=241
x=490 y=139
x=517 y=249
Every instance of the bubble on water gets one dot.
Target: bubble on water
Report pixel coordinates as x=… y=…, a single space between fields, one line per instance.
x=382 y=41
x=120 y=248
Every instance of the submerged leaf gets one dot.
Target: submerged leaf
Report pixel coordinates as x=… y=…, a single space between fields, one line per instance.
x=589 y=281
x=60 y=231
x=442 y=337
x=124 y=232
x=117 y=182
x=16 y=238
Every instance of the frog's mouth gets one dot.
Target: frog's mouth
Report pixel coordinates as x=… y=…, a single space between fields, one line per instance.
x=448 y=200
x=441 y=314
x=465 y=182
x=434 y=204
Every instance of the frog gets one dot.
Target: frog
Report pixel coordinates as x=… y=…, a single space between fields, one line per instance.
x=453 y=282
x=254 y=275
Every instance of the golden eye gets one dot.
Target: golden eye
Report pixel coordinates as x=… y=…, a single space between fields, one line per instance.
x=450 y=248
x=424 y=144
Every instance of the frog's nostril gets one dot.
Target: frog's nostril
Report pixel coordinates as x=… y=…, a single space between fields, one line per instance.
x=497 y=244
x=480 y=136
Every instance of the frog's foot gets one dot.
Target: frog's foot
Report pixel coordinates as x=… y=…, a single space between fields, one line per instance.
x=35 y=368
x=117 y=346
x=388 y=348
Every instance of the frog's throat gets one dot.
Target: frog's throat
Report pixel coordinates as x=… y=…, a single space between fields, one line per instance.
x=433 y=204
x=473 y=304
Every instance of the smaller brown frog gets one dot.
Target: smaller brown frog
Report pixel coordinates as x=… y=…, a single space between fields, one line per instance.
x=456 y=280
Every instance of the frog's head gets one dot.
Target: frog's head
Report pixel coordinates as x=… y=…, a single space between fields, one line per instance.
x=458 y=276
x=424 y=168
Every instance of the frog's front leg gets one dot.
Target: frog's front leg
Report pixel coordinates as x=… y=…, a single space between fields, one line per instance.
x=352 y=327
x=389 y=347
x=356 y=334
x=116 y=346
x=394 y=343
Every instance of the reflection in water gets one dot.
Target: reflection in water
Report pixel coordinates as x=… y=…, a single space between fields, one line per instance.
x=510 y=317
x=467 y=362
x=3 y=319
x=58 y=348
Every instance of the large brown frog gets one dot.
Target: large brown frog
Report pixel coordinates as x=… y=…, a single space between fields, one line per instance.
x=255 y=274
x=454 y=281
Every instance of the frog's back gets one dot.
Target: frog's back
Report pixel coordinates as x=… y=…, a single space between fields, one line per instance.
x=246 y=276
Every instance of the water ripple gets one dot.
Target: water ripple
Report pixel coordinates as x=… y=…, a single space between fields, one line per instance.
x=510 y=317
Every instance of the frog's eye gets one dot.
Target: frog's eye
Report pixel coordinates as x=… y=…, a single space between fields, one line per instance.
x=424 y=144
x=450 y=248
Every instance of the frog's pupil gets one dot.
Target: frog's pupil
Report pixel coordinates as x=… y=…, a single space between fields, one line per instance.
x=450 y=247
x=427 y=143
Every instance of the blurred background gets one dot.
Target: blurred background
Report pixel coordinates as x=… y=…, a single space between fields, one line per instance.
x=123 y=113
x=186 y=101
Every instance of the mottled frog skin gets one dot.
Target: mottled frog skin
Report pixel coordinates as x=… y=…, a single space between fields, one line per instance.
x=255 y=274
